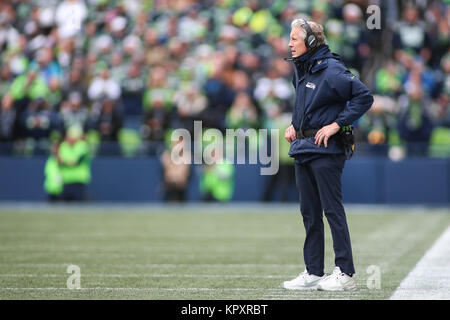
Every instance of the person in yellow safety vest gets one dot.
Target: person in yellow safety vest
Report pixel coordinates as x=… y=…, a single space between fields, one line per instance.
x=75 y=165
x=53 y=184
x=217 y=181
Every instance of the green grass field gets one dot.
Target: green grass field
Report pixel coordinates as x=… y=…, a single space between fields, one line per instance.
x=187 y=253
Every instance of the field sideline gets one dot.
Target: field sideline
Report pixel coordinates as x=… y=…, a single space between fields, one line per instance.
x=197 y=252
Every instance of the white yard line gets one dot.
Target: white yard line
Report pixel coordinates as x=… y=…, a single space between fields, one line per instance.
x=158 y=265
x=134 y=289
x=430 y=278
x=145 y=275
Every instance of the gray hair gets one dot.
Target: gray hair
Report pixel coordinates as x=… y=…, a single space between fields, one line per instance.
x=316 y=28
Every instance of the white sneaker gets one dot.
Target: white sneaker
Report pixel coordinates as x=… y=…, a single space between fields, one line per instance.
x=338 y=281
x=304 y=281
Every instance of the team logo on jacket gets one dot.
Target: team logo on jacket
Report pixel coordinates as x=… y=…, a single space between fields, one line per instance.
x=311 y=85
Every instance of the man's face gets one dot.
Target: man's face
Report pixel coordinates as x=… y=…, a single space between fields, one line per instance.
x=296 y=43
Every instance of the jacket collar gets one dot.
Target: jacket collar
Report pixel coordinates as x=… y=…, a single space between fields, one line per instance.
x=307 y=59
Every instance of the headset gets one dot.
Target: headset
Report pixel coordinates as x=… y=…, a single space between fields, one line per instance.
x=310 y=39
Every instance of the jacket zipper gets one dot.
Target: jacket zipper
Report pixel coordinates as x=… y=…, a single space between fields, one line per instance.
x=305 y=78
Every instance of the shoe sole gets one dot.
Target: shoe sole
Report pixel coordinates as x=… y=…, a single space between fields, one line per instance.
x=301 y=288
x=312 y=287
x=350 y=288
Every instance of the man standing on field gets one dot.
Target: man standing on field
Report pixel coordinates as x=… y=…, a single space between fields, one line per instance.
x=328 y=98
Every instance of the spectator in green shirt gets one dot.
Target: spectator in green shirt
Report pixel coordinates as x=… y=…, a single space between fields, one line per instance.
x=75 y=165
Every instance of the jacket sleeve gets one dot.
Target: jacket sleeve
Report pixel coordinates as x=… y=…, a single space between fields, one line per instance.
x=357 y=96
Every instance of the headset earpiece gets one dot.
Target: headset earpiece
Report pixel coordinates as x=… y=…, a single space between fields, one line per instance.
x=310 y=39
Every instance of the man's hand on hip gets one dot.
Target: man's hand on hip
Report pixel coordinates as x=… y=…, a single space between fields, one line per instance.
x=325 y=133
x=290 y=134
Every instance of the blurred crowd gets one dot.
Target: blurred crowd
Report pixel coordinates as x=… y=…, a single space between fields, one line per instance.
x=129 y=71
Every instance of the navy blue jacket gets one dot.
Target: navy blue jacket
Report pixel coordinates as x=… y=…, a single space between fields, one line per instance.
x=330 y=93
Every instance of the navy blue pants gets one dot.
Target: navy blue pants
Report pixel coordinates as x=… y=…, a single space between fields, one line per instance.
x=319 y=184
x=74 y=192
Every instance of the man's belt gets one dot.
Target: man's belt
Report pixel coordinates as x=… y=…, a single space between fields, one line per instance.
x=302 y=134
